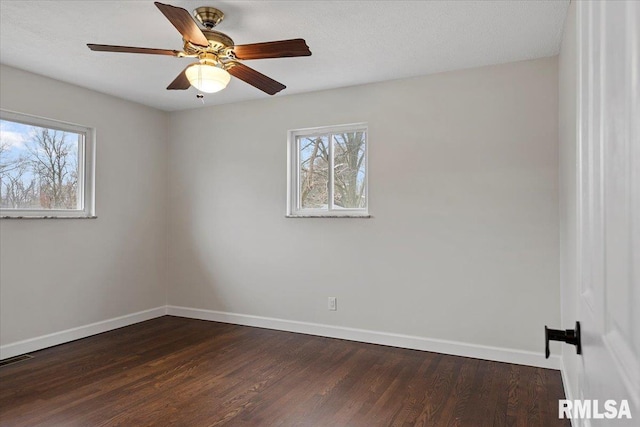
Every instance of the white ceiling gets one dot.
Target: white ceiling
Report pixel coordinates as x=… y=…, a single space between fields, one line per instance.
x=353 y=42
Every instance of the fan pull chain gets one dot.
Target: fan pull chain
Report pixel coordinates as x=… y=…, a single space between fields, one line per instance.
x=200 y=96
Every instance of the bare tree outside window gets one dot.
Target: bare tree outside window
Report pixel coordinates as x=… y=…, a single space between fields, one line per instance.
x=38 y=167
x=328 y=172
x=349 y=170
x=314 y=168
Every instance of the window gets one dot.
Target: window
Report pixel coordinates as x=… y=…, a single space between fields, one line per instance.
x=327 y=175
x=46 y=168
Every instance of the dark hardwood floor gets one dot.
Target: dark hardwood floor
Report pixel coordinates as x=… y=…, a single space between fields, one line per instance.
x=184 y=372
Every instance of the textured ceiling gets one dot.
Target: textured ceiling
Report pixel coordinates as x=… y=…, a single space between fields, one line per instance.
x=353 y=42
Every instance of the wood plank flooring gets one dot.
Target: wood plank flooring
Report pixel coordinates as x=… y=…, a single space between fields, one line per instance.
x=184 y=372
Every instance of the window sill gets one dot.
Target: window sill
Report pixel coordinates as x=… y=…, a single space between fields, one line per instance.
x=328 y=216
x=49 y=217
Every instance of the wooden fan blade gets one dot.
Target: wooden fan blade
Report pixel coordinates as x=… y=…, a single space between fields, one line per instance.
x=130 y=49
x=255 y=78
x=181 y=82
x=277 y=49
x=181 y=19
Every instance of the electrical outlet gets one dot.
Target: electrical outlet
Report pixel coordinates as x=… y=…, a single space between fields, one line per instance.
x=333 y=303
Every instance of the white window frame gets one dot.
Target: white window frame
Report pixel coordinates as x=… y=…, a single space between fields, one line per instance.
x=86 y=169
x=294 y=210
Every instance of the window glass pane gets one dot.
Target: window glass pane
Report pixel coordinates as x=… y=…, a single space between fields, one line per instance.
x=314 y=168
x=38 y=167
x=349 y=170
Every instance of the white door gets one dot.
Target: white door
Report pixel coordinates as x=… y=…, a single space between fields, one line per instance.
x=609 y=204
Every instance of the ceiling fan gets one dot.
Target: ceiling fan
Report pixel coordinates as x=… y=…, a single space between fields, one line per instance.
x=218 y=56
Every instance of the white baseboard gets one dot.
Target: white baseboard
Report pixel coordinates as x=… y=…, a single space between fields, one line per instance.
x=38 y=343
x=475 y=351
x=568 y=390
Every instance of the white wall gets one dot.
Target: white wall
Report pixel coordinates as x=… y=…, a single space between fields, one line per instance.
x=61 y=274
x=463 y=243
x=568 y=192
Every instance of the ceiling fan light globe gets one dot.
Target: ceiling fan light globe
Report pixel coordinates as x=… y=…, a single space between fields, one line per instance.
x=207 y=78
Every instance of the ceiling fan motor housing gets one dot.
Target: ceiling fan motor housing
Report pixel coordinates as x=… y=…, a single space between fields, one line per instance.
x=208 y=16
x=219 y=43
